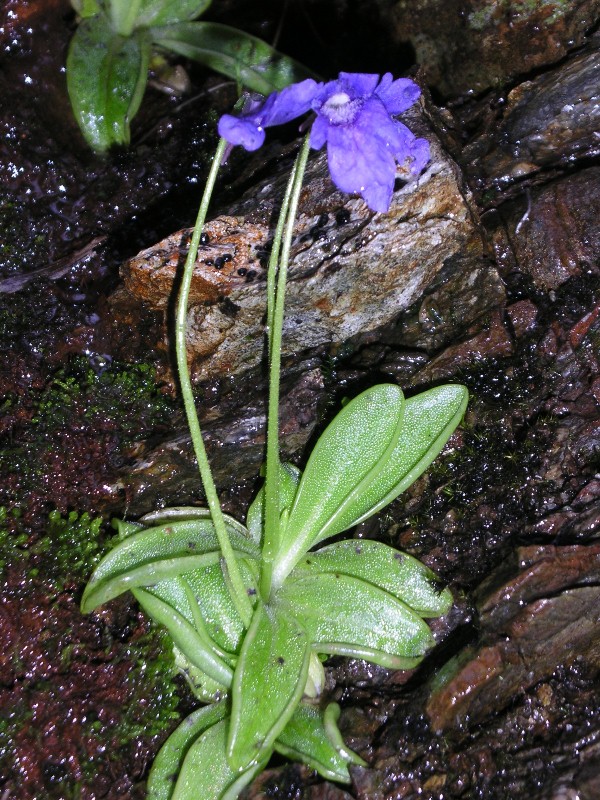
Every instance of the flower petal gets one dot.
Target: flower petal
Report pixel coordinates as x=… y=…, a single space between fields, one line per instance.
x=420 y=155
x=289 y=103
x=360 y=165
x=357 y=84
x=240 y=130
x=318 y=133
x=398 y=95
x=405 y=145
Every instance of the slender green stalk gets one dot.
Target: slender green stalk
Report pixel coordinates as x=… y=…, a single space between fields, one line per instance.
x=275 y=320
x=239 y=594
x=276 y=252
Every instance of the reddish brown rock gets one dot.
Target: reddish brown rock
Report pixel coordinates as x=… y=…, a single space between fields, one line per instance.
x=543 y=616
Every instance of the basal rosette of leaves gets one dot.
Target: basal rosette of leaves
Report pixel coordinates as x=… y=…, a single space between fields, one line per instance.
x=111 y=50
x=363 y=599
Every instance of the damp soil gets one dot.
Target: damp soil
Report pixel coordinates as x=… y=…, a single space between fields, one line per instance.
x=506 y=705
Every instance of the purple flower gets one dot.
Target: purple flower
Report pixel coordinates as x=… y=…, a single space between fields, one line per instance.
x=364 y=141
x=247 y=129
x=354 y=116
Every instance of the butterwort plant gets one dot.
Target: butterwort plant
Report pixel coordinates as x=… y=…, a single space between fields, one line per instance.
x=253 y=608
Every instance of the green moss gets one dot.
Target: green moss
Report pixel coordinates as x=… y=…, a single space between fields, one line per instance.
x=12 y=540
x=153 y=704
x=137 y=695
x=482 y=18
x=70 y=549
x=67 y=439
x=121 y=397
x=64 y=555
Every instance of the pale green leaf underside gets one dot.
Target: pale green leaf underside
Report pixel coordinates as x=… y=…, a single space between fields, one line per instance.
x=238 y=55
x=398 y=573
x=192 y=643
x=206 y=772
x=201 y=685
x=268 y=683
x=347 y=616
x=305 y=739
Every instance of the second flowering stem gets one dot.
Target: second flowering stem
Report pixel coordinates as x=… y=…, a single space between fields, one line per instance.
x=276 y=284
x=239 y=595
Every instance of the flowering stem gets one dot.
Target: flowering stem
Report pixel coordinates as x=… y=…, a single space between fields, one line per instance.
x=239 y=595
x=275 y=312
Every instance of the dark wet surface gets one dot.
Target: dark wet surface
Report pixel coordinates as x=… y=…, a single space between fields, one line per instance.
x=506 y=706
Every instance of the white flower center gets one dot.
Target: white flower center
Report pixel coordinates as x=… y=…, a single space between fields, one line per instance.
x=341 y=109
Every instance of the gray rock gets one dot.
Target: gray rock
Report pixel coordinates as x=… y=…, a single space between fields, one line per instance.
x=352 y=272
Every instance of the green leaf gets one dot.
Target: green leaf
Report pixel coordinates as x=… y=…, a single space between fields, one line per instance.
x=86 y=8
x=192 y=643
x=267 y=685
x=306 y=739
x=398 y=573
x=202 y=685
x=168 y=762
x=223 y=622
x=330 y=500
x=153 y=554
x=153 y=13
x=177 y=593
x=244 y=58
x=430 y=418
x=205 y=772
x=289 y=477
x=347 y=616
x=330 y=720
x=164 y=516
x=106 y=78
x=345 y=457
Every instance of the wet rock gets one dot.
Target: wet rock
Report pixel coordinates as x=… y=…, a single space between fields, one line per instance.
x=522 y=316
x=287 y=783
x=468 y=46
x=550 y=121
x=492 y=342
x=351 y=273
x=57 y=196
x=165 y=473
x=542 y=617
x=466 y=292
x=554 y=234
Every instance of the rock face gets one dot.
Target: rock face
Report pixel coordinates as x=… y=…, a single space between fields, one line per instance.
x=486 y=272
x=546 y=614
x=352 y=272
x=543 y=123
x=468 y=46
